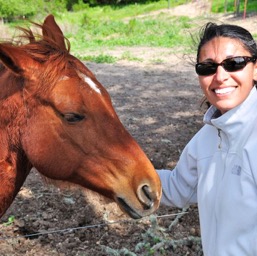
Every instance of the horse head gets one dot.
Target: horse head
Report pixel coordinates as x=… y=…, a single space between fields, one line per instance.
x=57 y=117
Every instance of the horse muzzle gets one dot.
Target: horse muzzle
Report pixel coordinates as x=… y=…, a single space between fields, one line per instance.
x=148 y=202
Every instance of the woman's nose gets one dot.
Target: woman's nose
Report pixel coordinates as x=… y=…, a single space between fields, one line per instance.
x=221 y=74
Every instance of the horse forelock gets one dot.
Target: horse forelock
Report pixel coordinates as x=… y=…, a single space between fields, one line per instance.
x=49 y=59
x=50 y=64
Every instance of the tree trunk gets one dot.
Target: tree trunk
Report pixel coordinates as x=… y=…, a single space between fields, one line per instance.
x=245 y=7
x=237 y=7
x=226 y=6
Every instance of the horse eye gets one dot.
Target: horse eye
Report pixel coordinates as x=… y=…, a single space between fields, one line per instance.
x=73 y=117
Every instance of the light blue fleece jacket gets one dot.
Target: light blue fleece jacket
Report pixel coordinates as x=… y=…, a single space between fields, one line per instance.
x=218 y=170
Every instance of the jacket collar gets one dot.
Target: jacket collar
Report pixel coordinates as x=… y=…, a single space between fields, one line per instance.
x=237 y=120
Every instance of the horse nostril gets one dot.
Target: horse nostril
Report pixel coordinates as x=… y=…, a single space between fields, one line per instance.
x=146 y=197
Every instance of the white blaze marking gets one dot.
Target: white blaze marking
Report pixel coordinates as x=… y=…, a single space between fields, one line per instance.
x=92 y=84
x=89 y=81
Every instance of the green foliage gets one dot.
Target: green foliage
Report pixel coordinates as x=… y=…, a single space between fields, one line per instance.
x=71 y=3
x=91 y=29
x=94 y=28
x=10 y=221
x=78 y=6
x=18 y=8
x=27 y=8
x=156 y=241
x=13 y=9
x=218 y=6
x=103 y=9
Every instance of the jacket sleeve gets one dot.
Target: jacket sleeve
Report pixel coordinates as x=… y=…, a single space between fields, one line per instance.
x=179 y=186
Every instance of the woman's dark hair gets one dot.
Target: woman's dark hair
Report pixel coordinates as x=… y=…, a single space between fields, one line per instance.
x=212 y=30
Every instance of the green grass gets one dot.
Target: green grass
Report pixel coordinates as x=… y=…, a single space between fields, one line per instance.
x=10 y=221
x=146 y=32
x=160 y=31
x=92 y=29
x=101 y=58
x=128 y=56
x=119 y=12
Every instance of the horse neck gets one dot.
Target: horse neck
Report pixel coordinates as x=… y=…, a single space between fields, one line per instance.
x=13 y=172
x=14 y=165
x=14 y=168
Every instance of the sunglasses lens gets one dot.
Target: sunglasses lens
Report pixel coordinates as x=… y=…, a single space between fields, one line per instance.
x=234 y=64
x=230 y=65
x=206 y=69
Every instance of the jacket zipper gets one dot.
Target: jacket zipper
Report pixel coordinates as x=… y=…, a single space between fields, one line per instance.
x=219 y=146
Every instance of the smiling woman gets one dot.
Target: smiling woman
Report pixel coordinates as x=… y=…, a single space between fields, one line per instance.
x=226 y=81
x=218 y=167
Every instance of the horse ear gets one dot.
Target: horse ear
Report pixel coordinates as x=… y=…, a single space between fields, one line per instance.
x=52 y=30
x=14 y=58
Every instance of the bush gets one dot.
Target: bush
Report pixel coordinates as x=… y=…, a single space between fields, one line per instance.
x=18 y=8
x=12 y=9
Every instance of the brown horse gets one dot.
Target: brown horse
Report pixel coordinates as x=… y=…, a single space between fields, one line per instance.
x=55 y=116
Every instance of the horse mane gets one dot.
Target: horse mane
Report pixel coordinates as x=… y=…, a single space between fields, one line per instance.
x=43 y=39
x=42 y=49
x=45 y=52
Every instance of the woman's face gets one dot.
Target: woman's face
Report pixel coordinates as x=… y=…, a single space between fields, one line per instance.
x=226 y=90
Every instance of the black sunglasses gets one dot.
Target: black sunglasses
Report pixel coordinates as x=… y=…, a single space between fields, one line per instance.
x=230 y=65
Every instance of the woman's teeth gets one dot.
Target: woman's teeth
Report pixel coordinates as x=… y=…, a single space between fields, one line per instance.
x=224 y=90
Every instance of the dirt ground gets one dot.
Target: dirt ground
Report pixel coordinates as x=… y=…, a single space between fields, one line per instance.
x=158 y=101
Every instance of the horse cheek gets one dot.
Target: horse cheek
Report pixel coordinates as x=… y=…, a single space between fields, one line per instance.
x=44 y=150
